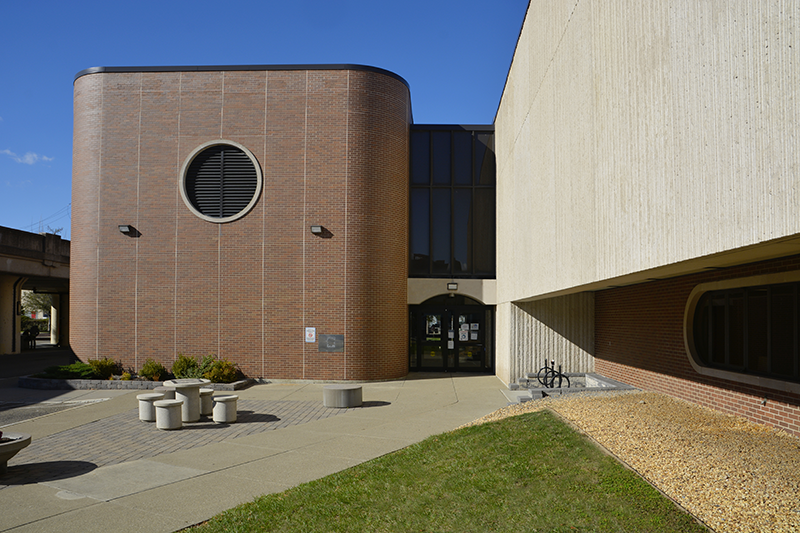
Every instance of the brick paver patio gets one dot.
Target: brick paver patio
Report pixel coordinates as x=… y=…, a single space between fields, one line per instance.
x=123 y=437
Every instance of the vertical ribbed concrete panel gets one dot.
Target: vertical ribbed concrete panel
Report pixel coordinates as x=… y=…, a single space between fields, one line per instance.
x=560 y=329
x=635 y=136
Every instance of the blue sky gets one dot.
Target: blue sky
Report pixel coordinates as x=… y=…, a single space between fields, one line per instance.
x=454 y=54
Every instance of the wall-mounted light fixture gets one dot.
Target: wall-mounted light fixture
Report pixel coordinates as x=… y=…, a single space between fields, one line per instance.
x=452 y=286
x=128 y=230
x=317 y=230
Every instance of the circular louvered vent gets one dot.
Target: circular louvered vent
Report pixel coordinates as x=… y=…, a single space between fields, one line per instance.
x=220 y=181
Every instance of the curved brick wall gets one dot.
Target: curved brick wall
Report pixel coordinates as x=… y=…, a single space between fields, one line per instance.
x=332 y=145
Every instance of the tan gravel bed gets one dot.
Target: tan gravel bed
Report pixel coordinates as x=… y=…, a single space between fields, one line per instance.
x=730 y=473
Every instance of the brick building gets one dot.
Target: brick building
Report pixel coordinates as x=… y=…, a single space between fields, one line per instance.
x=631 y=211
x=158 y=271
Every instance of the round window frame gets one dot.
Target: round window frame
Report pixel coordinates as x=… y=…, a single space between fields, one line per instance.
x=185 y=168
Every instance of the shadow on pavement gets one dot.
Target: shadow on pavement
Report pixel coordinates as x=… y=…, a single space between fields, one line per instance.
x=32 y=361
x=375 y=404
x=26 y=474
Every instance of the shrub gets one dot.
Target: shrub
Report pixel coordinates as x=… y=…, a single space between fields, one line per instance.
x=185 y=367
x=105 y=367
x=189 y=367
x=205 y=365
x=222 y=371
x=126 y=376
x=153 y=370
x=76 y=370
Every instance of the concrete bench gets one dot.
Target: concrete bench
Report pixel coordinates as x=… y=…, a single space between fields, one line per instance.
x=206 y=402
x=147 y=411
x=168 y=414
x=341 y=396
x=168 y=392
x=225 y=409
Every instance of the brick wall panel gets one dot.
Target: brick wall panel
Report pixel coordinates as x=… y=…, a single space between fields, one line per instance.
x=333 y=149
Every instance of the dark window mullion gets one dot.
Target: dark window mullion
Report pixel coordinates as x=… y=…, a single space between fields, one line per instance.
x=452 y=207
x=452 y=222
x=471 y=232
x=794 y=332
x=727 y=336
x=430 y=205
x=471 y=227
x=769 y=330
x=746 y=328
x=430 y=231
x=710 y=319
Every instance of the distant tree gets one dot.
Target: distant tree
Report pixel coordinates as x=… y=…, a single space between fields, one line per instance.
x=36 y=301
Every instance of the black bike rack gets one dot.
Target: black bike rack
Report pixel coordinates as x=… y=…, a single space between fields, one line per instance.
x=547 y=375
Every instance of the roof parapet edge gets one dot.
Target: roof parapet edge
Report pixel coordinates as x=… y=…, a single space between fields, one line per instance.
x=230 y=68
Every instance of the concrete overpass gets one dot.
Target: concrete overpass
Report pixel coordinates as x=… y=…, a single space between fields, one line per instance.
x=35 y=262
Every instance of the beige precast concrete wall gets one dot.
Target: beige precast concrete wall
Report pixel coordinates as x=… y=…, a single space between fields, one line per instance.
x=559 y=329
x=633 y=135
x=421 y=289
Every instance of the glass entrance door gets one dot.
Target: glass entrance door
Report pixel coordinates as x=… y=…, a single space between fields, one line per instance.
x=451 y=337
x=469 y=346
x=431 y=341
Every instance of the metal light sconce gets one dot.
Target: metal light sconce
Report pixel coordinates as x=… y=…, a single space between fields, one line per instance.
x=317 y=230
x=128 y=230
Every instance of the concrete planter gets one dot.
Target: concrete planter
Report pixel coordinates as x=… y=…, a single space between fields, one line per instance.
x=10 y=444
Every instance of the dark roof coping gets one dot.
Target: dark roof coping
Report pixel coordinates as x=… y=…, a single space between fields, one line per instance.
x=229 y=68
x=464 y=127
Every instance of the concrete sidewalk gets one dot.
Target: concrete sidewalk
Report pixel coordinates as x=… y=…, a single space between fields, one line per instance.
x=96 y=467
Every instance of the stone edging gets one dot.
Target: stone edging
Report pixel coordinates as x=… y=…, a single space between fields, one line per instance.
x=27 y=382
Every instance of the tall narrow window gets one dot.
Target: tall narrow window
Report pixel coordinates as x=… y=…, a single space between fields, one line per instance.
x=420 y=232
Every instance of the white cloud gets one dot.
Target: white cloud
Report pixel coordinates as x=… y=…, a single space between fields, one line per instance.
x=29 y=158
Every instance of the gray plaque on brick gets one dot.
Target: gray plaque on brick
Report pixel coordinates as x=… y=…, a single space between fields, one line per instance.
x=331 y=343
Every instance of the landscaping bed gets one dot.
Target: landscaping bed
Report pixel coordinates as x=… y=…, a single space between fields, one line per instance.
x=28 y=382
x=109 y=374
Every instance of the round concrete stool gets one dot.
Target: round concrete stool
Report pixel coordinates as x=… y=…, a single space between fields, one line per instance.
x=147 y=411
x=168 y=392
x=341 y=396
x=206 y=402
x=168 y=414
x=225 y=409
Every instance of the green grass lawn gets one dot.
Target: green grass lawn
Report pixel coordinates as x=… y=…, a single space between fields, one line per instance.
x=526 y=473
